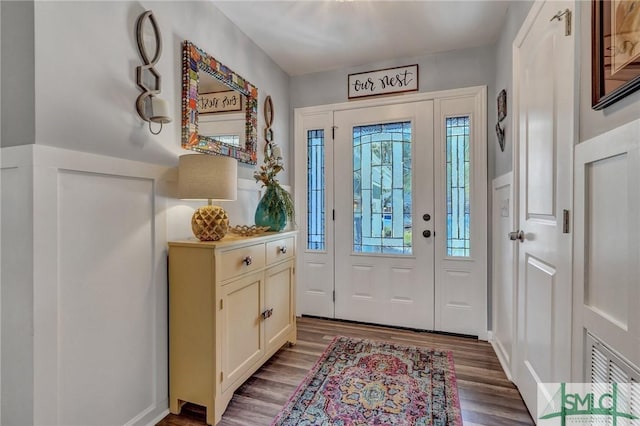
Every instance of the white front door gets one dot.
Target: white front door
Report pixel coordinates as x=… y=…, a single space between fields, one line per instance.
x=406 y=183
x=384 y=269
x=544 y=97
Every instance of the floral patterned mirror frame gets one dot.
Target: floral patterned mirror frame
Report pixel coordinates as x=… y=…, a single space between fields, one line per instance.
x=195 y=60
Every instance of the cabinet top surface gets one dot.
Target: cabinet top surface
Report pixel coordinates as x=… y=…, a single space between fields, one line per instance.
x=233 y=239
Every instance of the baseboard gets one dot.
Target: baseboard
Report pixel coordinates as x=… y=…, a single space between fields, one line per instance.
x=158 y=418
x=499 y=350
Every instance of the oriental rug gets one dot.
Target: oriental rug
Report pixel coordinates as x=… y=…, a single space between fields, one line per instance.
x=365 y=382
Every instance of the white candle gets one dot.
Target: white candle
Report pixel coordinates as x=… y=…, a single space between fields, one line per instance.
x=159 y=110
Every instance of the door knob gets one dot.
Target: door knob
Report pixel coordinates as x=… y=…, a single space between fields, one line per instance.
x=426 y=217
x=247 y=260
x=517 y=235
x=426 y=233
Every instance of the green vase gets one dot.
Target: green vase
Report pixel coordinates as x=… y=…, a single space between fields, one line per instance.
x=271 y=211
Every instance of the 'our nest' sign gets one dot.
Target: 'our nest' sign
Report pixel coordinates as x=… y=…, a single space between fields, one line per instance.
x=384 y=82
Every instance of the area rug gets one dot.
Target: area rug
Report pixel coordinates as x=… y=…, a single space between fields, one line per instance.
x=364 y=382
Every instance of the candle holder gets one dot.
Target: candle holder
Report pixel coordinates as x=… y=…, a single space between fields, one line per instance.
x=150 y=107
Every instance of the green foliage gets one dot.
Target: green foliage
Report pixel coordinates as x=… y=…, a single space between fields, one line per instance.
x=281 y=199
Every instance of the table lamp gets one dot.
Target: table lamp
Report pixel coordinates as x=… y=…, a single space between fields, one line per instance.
x=210 y=177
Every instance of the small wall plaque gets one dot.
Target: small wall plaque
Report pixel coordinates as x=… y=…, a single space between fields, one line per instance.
x=383 y=82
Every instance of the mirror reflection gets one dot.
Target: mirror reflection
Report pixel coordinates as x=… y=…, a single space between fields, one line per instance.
x=219 y=108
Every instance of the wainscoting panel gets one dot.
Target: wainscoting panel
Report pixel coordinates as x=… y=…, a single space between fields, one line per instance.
x=106 y=297
x=16 y=292
x=503 y=294
x=607 y=247
x=99 y=285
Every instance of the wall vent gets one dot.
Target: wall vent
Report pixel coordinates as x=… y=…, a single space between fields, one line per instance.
x=604 y=366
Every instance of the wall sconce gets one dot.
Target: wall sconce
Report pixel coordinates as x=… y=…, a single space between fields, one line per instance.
x=150 y=107
x=209 y=177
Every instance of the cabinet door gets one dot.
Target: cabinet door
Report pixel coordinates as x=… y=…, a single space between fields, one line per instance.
x=279 y=296
x=241 y=343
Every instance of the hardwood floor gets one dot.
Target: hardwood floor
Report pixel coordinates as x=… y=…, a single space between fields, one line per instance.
x=487 y=397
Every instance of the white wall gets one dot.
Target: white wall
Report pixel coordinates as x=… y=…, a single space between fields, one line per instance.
x=84 y=228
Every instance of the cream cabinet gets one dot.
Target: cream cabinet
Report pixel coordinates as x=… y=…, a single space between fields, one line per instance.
x=231 y=307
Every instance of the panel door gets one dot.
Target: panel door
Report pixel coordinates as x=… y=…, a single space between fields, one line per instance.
x=545 y=105
x=384 y=269
x=278 y=301
x=242 y=342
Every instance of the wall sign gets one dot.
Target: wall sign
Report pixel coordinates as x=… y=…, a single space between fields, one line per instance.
x=210 y=103
x=383 y=82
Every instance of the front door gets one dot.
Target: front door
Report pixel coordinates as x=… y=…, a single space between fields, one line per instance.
x=544 y=84
x=384 y=249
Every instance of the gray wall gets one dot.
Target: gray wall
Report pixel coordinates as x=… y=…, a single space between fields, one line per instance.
x=439 y=71
x=516 y=14
x=593 y=123
x=76 y=89
x=18 y=72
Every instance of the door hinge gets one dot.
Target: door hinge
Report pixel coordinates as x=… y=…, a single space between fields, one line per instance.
x=221 y=303
x=333 y=214
x=565 y=221
x=221 y=376
x=566 y=14
x=333 y=132
x=334 y=295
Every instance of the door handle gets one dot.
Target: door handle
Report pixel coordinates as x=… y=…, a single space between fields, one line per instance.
x=426 y=233
x=517 y=235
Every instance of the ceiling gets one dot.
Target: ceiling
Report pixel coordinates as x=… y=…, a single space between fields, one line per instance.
x=311 y=36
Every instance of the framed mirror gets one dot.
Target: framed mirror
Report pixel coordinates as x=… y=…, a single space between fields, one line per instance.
x=219 y=108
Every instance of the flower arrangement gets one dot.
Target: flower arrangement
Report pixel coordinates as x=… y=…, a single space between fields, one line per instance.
x=276 y=199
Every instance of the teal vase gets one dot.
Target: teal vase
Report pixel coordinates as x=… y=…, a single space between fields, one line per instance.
x=271 y=211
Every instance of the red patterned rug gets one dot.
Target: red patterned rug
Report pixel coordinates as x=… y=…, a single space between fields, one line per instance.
x=364 y=382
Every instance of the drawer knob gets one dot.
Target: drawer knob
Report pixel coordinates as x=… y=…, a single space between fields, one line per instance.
x=247 y=260
x=266 y=314
x=282 y=249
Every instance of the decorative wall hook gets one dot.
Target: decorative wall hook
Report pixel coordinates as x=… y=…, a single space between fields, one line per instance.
x=149 y=99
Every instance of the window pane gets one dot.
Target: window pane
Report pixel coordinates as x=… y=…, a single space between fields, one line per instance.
x=315 y=190
x=458 y=187
x=382 y=188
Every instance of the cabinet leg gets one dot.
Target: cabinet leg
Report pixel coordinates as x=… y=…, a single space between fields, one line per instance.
x=175 y=405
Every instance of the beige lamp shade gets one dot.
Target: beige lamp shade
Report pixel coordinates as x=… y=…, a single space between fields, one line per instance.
x=202 y=176
x=213 y=178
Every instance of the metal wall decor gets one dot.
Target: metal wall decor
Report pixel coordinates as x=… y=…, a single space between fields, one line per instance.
x=502 y=114
x=268 y=119
x=150 y=107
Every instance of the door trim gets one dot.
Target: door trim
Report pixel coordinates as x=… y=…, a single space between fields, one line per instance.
x=479 y=93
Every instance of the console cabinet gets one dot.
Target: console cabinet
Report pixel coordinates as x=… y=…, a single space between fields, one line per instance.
x=231 y=307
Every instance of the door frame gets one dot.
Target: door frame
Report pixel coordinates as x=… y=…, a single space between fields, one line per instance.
x=478 y=93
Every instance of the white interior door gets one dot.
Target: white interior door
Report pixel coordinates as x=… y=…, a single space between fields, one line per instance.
x=384 y=269
x=544 y=97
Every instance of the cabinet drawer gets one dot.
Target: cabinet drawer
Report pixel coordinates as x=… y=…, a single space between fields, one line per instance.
x=280 y=249
x=241 y=260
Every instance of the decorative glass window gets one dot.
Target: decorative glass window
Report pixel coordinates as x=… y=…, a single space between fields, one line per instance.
x=315 y=190
x=382 y=188
x=458 y=187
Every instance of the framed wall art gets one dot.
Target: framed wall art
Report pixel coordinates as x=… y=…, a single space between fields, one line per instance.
x=615 y=50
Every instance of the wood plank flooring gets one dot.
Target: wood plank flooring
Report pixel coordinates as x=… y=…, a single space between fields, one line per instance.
x=487 y=397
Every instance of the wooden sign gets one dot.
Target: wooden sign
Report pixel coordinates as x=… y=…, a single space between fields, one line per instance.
x=383 y=82
x=211 y=103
